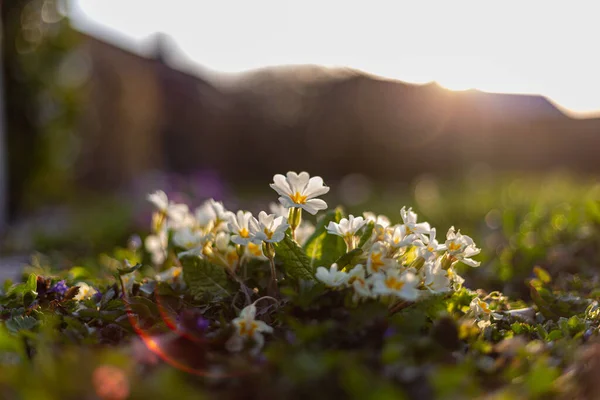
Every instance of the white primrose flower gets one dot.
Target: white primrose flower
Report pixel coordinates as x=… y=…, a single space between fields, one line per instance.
x=85 y=291
x=456 y=280
x=377 y=260
x=268 y=228
x=461 y=247
x=300 y=190
x=409 y=218
x=254 y=250
x=212 y=213
x=429 y=247
x=192 y=241
x=396 y=237
x=175 y=211
x=481 y=311
x=436 y=278
x=356 y=279
x=156 y=245
x=169 y=274
x=347 y=229
x=380 y=220
x=332 y=277
x=248 y=327
x=226 y=253
x=402 y=285
x=128 y=280
x=239 y=227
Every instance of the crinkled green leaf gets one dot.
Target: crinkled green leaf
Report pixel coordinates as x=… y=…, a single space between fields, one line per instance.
x=367 y=233
x=349 y=258
x=204 y=278
x=323 y=248
x=296 y=263
x=21 y=323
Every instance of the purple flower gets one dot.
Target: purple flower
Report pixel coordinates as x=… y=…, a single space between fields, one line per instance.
x=97 y=296
x=60 y=287
x=202 y=323
x=389 y=332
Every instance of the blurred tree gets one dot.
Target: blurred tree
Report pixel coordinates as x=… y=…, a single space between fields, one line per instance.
x=42 y=77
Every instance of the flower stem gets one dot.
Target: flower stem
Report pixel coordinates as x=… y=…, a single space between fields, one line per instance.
x=269 y=251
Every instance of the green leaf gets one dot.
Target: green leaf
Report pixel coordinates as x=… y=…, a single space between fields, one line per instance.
x=21 y=323
x=125 y=271
x=295 y=261
x=348 y=258
x=204 y=278
x=323 y=248
x=367 y=233
x=542 y=274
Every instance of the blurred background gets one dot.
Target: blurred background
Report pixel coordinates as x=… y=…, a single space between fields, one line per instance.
x=481 y=116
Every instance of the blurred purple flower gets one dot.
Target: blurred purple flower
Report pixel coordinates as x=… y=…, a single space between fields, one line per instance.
x=97 y=296
x=60 y=287
x=389 y=332
x=202 y=323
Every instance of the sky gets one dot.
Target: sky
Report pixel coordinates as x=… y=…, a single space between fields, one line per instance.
x=540 y=47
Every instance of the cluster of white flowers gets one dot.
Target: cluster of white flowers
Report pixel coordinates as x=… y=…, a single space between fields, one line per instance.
x=404 y=261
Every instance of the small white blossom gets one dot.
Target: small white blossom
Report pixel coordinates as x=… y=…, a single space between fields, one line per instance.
x=358 y=281
x=226 y=254
x=175 y=211
x=169 y=274
x=347 y=227
x=429 y=247
x=248 y=327
x=85 y=291
x=377 y=260
x=461 y=247
x=403 y=285
x=409 y=218
x=396 y=237
x=254 y=250
x=436 y=279
x=212 y=213
x=156 y=245
x=268 y=228
x=332 y=277
x=481 y=311
x=239 y=227
x=380 y=220
x=278 y=209
x=300 y=190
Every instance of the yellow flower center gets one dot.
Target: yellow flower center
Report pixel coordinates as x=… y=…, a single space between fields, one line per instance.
x=268 y=233
x=394 y=283
x=484 y=306
x=232 y=258
x=376 y=262
x=298 y=198
x=176 y=272
x=454 y=246
x=247 y=328
x=254 y=249
x=244 y=233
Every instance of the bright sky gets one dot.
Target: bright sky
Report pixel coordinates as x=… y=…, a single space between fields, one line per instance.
x=528 y=46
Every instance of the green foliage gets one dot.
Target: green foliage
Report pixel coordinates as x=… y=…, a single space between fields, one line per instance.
x=295 y=261
x=204 y=279
x=322 y=248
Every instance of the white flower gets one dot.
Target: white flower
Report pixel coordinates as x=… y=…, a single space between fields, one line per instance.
x=239 y=227
x=85 y=291
x=430 y=247
x=300 y=190
x=461 y=247
x=156 y=245
x=210 y=213
x=268 y=228
x=189 y=239
x=380 y=220
x=169 y=274
x=128 y=280
x=226 y=254
x=455 y=278
x=403 y=285
x=356 y=278
x=436 y=279
x=347 y=227
x=332 y=277
x=409 y=217
x=254 y=250
x=481 y=310
x=377 y=260
x=396 y=237
x=175 y=211
x=248 y=327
